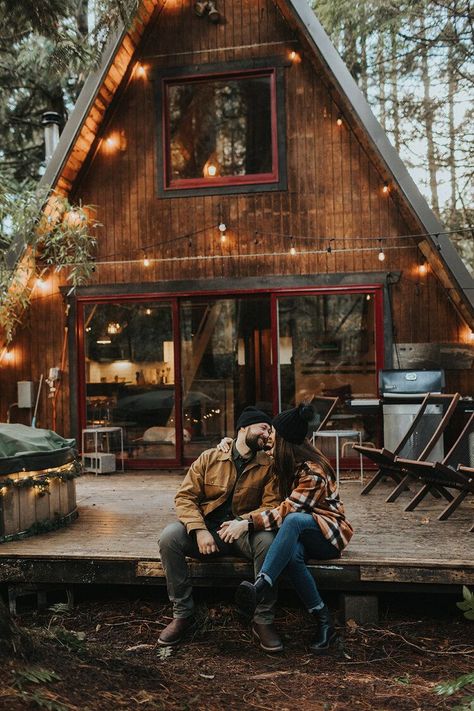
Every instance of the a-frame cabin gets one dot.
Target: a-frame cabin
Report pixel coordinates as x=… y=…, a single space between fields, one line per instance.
x=260 y=239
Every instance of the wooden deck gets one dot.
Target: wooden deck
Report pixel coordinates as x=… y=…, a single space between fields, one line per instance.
x=114 y=541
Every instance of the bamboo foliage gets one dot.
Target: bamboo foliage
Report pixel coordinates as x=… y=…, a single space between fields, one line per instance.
x=59 y=235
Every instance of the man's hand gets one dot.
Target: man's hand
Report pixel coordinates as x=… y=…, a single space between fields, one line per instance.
x=224 y=444
x=232 y=530
x=205 y=542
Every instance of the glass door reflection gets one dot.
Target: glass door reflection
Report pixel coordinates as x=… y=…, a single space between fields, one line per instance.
x=129 y=375
x=226 y=365
x=327 y=347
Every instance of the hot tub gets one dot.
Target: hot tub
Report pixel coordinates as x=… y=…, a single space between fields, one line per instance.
x=38 y=469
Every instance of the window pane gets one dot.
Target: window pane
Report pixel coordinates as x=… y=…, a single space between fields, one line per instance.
x=327 y=347
x=219 y=128
x=130 y=375
x=226 y=365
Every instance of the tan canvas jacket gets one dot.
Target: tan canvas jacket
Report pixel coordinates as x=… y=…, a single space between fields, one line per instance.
x=210 y=480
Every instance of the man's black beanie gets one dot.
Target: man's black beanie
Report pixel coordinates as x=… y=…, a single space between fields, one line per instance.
x=250 y=416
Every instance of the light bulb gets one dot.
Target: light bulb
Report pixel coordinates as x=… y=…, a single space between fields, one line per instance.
x=223 y=236
x=422 y=268
x=381 y=255
x=292 y=251
x=339 y=121
x=385 y=189
x=212 y=170
x=146 y=261
x=222 y=227
x=140 y=70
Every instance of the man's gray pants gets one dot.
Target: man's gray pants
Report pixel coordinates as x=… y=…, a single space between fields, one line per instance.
x=176 y=544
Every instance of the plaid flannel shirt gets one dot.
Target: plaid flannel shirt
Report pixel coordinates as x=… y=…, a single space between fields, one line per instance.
x=314 y=493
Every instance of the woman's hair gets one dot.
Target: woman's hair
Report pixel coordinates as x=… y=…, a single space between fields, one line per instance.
x=287 y=457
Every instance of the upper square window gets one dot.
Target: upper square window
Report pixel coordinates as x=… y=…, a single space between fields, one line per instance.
x=220 y=132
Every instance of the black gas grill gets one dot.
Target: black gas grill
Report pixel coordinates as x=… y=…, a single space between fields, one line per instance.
x=402 y=392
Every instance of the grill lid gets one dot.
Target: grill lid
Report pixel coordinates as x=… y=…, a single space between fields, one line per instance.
x=411 y=381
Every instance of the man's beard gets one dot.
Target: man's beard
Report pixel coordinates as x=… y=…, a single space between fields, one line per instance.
x=254 y=442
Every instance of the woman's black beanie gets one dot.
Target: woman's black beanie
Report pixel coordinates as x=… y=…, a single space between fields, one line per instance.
x=292 y=425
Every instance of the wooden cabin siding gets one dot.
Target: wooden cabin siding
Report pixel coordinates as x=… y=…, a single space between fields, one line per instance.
x=334 y=191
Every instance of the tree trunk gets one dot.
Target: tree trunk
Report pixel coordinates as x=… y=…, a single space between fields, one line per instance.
x=394 y=87
x=452 y=86
x=429 y=119
x=381 y=73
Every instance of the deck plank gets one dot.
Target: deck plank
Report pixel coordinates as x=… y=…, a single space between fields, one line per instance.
x=121 y=517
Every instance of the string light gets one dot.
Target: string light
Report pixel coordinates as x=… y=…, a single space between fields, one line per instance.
x=381 y=255
x=422 y=268
x=386 y=189
x=222 y=229
x=292 y=248
x=140 y=70
x=146 y=261
x=40 y=283
x=339 y=120
x=294 y=57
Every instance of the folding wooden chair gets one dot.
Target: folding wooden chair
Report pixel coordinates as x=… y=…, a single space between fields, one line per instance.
x=323 y=407
x=451 y=473
x=418 y=442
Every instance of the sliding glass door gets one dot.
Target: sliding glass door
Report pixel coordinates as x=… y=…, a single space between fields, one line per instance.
x=129 y=373
x=327 y=345
x=225 y=365
x=174 y=372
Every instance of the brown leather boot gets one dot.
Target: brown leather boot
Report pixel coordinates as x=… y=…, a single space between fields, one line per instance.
x=267 y=636
x=176 y=630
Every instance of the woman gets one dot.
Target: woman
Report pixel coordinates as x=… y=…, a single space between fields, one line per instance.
x=310 y=520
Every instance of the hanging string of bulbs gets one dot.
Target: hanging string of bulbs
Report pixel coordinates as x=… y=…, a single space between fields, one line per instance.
x=329 y=245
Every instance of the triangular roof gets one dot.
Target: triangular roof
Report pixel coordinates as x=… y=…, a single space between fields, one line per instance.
x=80 y=131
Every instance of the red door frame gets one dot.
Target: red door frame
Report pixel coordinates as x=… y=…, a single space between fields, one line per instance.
x=174 y=299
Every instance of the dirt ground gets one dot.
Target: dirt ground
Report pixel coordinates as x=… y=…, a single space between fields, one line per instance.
x=104 y=655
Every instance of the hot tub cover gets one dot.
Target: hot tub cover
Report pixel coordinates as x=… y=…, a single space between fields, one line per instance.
x=24 y=448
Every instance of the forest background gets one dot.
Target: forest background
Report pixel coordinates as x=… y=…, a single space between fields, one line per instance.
x=412 y=59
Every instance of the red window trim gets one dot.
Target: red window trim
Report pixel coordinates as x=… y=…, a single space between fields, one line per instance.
x=230 y=180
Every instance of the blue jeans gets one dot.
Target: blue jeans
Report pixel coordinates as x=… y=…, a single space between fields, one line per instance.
x=298 y=539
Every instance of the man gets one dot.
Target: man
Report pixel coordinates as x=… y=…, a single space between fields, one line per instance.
x=222 y=486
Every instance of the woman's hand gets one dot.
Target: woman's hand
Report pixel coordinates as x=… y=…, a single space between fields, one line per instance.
x=224 y=446
x=232 y=530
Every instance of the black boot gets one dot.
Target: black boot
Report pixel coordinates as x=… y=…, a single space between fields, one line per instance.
x=326 y=631
x=248 y=596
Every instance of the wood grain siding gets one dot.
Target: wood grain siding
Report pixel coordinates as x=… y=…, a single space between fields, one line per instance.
x=334 y=191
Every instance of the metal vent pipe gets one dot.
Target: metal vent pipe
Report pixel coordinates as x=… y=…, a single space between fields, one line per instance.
x=51 y=121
